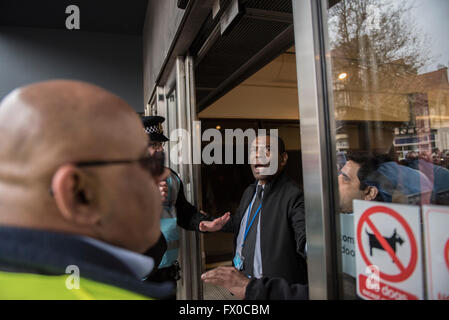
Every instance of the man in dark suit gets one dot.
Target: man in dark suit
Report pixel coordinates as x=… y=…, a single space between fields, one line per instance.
x=269 y=227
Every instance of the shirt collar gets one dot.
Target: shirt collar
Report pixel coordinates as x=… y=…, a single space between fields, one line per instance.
x=139 y=264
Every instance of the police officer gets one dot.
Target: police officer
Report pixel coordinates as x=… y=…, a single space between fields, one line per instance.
x=177 y=211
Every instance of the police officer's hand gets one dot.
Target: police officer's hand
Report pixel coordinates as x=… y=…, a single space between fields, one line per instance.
x=229 y=278
x=215 y=225
x=163 y=189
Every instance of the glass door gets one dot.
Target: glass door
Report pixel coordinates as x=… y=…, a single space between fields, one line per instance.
x=374 y=103
x=181 y=112
x=390 y=91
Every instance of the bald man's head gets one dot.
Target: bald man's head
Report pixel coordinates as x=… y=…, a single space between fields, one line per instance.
x=68 y=119
x=47 y=127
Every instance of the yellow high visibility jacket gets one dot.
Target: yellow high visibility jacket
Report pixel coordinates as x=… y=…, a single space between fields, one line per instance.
x=34 y=265
x=27 y=286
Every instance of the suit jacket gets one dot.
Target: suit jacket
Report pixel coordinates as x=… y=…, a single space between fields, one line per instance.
x=188 y=216
x=275 y=289
x=282 y=229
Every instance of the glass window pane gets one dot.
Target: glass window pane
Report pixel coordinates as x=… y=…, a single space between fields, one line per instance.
x=172 y=126
x=390 y=94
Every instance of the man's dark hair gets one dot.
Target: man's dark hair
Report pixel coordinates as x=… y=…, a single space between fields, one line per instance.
x=368 y=169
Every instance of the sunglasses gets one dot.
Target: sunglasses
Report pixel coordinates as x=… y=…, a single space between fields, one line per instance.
x=154 y=164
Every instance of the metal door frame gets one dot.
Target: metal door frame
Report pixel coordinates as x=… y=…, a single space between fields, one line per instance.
x=190 y=245
x=190 y=254
x=181 y=83
x=318 y=144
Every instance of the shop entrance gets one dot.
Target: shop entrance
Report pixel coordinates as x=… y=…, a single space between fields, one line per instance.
x=266 y=100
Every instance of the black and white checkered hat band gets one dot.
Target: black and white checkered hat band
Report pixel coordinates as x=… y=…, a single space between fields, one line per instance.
x=153 y=129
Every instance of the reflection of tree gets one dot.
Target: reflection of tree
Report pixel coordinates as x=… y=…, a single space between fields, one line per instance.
x=378 y=29
x=374 y=42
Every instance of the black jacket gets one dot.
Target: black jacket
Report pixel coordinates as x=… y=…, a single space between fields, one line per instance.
x=188 y=216
x=282 y=228
x=275 y=289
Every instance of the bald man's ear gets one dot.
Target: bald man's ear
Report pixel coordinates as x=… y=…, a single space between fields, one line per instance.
x=73 y=194
x=371 y=193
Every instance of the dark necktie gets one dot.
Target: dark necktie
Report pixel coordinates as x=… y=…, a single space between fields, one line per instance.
x=250 y=242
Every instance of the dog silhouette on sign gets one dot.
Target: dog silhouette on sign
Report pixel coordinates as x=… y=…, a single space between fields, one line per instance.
x=375 y=244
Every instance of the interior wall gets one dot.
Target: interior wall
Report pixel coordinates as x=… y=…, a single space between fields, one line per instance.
x=161 y=24
x=111 y=61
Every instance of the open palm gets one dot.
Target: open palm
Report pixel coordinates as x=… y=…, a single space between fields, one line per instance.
x=215 y=225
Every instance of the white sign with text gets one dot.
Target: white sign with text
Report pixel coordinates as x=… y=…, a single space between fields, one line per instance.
x=436 y=239
x=347 y=243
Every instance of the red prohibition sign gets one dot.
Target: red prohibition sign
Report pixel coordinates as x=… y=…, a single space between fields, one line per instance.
x=446 y=254
x=405 y=271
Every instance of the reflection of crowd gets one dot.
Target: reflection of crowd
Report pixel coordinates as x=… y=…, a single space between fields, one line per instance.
x=441 y=158
x=438 y=157
x=419 y=179
x=435 y=167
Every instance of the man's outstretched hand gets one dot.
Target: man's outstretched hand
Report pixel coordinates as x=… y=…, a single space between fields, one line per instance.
x=215 y=225
x=229 y=278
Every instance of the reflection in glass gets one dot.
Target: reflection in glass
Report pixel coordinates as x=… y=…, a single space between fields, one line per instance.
x=390 y=86
x=391 y=100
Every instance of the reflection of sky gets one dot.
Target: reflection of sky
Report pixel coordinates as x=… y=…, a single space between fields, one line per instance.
x=432 y=18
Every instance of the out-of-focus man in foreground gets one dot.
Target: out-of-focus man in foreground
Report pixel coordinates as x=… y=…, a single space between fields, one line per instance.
x=79 y=200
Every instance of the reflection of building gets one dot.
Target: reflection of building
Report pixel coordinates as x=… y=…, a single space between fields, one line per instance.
x=430 y=118
x=395 y=98
x=342 y=142
x=405 y=142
